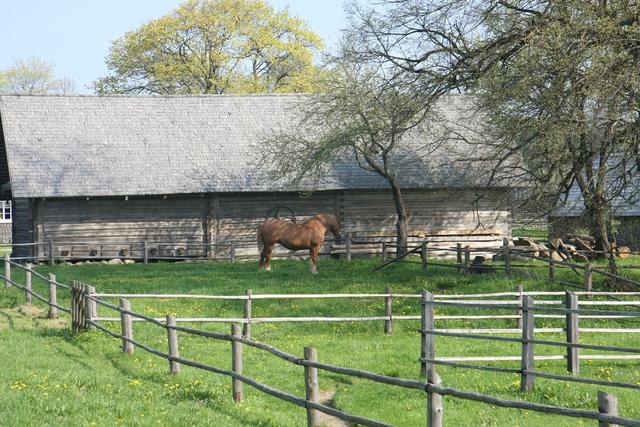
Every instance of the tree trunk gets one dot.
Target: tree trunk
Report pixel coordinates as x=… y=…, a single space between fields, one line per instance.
x=598 y=214
x=401 y=223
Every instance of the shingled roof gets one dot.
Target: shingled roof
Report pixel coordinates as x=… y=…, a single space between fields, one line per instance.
x=69 y=146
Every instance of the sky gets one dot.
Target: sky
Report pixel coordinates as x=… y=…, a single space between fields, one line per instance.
x=75 y=35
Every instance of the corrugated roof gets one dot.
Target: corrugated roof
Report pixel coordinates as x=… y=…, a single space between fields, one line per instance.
x=66 y=146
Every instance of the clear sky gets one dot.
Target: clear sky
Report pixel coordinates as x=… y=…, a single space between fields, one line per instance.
x=75 y=35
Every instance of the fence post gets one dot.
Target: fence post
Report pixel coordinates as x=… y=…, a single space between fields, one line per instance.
x=467 y=259
x=312 y=393
x=458 y=257
x=145 y=256
x=236 y=362
x=52 y=255
x=247 y=314
x=434 y=401
x=573 y=333
x=388 y=312
x=172 y=338
x=384 y=251
x=7 y=271
x=527 y=363
x=607 y=404
x=27 y=283
x=78 y=316
x=53 y=297
x=127 y=326
x=427 y=340
x=552 y=266
x=348 y=248
x=90 y=304
x=507 y=256
x=232 y=252
x=423 y=256
x=519 y=312
x=588 y=282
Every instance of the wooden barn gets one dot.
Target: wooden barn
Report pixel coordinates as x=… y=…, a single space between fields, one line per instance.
x=94 y=173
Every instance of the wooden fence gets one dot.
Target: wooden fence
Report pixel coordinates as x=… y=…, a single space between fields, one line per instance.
x=84 y=303
x=527 y=340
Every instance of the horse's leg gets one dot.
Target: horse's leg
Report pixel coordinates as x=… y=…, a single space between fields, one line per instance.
x=313 y=252
x=267 y=256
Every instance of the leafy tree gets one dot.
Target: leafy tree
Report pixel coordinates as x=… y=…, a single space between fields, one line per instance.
x=556 y=81
x=33 y=76
x=215 y=46
x=365 y=114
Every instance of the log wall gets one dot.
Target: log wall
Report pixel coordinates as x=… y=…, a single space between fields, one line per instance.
x=235 y=217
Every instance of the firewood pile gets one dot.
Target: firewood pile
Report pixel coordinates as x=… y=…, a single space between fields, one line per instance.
x=571 y=247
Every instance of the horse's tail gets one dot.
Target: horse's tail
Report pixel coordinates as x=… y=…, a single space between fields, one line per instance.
x=260 y=239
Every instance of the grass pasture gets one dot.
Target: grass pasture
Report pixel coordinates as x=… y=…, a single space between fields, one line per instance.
x=50 y=377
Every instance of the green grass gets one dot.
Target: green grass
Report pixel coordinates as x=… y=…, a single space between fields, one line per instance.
x=51 y=377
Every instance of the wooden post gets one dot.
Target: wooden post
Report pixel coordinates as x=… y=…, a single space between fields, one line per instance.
x=467 y=259
x=7 y=271
x=247 y=314
x=573 y=333
x=172 y=338
x=507 y=256
x=27 y=283
x=78 y=316
x=236 y=363
x=552 y=266
x=91 y=306
x=526 y=380
x=384 y=251
x=588 y=282
x=53 y=297
x=458 y=257
x=607 y=404
x=312 y=393
x=52 y=255
x=427 y=341
x=348 y=249
x=423 y=256
x=519 y=302
x=388 y=312
x=232 y=252
x=145 y=256
x=434 y=401
x=127 y=326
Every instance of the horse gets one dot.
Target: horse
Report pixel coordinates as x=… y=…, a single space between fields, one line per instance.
x=308 y=235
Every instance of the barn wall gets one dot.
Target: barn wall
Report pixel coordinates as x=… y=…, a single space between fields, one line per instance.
x=67 y=221
x=23 y=231
x=235 y=217
x=430 y=212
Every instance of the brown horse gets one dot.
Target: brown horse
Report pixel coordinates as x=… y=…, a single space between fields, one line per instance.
x=308 y=235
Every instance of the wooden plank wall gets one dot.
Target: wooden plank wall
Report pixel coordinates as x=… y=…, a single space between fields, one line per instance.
x=235 y=217
x=23 y=231
x=119 y=220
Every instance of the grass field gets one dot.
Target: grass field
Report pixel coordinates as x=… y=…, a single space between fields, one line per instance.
x=50 y=377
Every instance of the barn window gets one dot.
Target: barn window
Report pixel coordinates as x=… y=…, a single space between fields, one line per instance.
x=5 y=211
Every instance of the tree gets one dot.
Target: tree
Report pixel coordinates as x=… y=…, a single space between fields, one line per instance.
x=214 y=46
x=33 y=76
x=557 y=82
x=365 y=114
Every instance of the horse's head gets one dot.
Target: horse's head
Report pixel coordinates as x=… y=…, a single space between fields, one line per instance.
x=333 y=224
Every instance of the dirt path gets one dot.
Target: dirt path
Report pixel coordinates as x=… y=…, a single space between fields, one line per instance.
x=326 y=398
